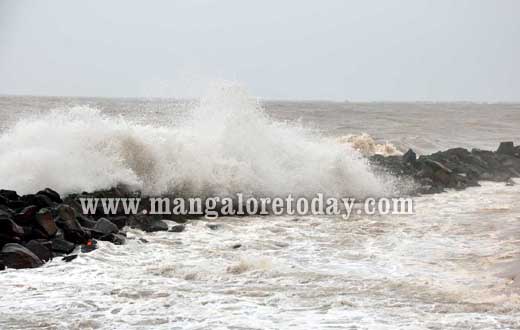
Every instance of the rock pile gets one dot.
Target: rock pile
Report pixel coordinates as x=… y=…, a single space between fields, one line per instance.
x=456 y=168
x=38 y=227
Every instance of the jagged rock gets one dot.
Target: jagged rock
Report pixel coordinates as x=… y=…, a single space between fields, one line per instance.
x=410 y=156
x=3 y=200
x=26 y=217
x=119 y=221
x=16 y=256
x=177 y=228
x=46 y=222
x=146 y=223
x=9 y=194
x=51 y=194
x=17 y=205
x=60 y=245
x=105 y=226
x=42 y=201
x=67 y=221
x=9 y=227
x=116 y=239
x=41 y=248
x=506 y=148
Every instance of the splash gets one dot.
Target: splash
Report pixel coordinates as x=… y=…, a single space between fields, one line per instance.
x=366 y=145
x=226 y=144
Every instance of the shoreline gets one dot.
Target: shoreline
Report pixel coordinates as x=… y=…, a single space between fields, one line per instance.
x=38 y=227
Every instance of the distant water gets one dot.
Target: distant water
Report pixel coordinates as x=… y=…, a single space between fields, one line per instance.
x=426 y=127
x=437 y=269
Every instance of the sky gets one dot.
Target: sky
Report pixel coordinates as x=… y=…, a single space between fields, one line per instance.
x=407 y=50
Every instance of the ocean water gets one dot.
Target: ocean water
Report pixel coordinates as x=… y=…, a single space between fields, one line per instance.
x=437 y=269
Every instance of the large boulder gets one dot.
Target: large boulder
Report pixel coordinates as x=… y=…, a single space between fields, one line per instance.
x=506 y=148
x=72 y=229
x=42 y=201
x=62 y=246
x=51 y=194
x=147 y=223
x=105 y=227
x=16 y=256
x=9 y=194
x=41 y=248
x=46 y=223
x=26 y=216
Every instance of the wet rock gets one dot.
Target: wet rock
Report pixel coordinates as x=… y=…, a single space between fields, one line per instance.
x=9 y=227
x=410 y=157
x=236 y=246
x=177 y=228
x=69 y=258
x=119 y=221
x=67 y=221
x=60 y=245
x=46 y=222
x=506 y=148
x=18 y=204
x=26 y=216
x=105 y=226
x=42 y=201
x=213 y=226
x=51 y=194
x=9 y=194
x=41 y=248
x=3 y=200
x=116 y=239
x=16 y=256
x=146 y=223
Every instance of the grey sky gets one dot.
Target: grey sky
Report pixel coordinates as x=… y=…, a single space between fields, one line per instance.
x=356 y=50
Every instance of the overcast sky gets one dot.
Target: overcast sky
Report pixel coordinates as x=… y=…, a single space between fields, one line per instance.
x=355 y=50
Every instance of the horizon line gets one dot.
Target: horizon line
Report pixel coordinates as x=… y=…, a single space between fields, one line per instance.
x=267 y=99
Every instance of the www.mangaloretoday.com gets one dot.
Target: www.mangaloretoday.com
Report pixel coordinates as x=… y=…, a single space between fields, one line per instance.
x=239 y=205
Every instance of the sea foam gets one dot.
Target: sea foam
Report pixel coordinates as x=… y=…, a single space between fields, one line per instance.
x=225 y=144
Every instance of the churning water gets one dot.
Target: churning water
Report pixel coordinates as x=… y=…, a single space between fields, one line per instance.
x=437 y=269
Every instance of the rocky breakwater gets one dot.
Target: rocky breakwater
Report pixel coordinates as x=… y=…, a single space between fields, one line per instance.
x=456 y=168
x=38 y=227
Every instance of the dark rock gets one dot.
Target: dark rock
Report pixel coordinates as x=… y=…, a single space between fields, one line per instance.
x=62 y=246
x=177 y=228
x=16 y=256
x=236 y=246
x=3 y=200
x=67 y=221
x=143 y=240
x=119 y=221
x=9 y=227
x=51 y=194
x=410 y=156
x=506 y=148
x=46 y=222
x=116 y=239
x=85 y=221
x=105 y=226
x=42 y=201
x=9 y=194
x=146 y=223
x=213 y=226
x=2 y=266
x=18 y=204
x=41 y=248
x=69 y=258
x=26 y=216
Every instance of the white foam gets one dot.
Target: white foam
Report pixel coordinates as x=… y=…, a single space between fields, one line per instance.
x=226 y=144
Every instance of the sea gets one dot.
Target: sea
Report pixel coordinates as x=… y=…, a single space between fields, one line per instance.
x=450 y=265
